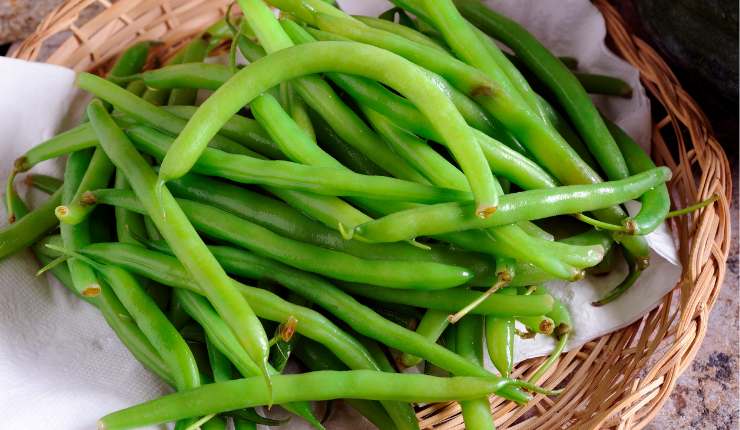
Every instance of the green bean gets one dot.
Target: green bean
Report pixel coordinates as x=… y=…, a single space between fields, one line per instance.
x=319 y=57
x=526 y=205
x=431 y=326
x=401 y=30
x=437 y=164
x=542 y=141
x=282 y=128
x=316 y=357
x=226 y=343
x=225 y=226
x=77 y=236
x=502 y=159
x=453 y=300
x=194 y=52
x=655 y=203
x=500 y=342
x=319 y=385
x=238 y=128
x=129 y=225
x=605 y=85
x=285 y=174
x=570 y=136
x=634 y=272
x=357 y=86
x=324 y=100
x=347 y=155
x=155 y=326
x=476 y=412
x=47 y=184
x=558 y=78
x=298 y=110
x=178 y=231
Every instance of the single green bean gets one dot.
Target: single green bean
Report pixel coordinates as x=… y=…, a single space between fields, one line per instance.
x=454 y=300
x=319 y=385
x=526 y=205
x=177 y=230
x=476 y=412
x=401 y=30
x=129 y=225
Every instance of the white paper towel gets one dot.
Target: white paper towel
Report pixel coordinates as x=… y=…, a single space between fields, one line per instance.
x=61 y=367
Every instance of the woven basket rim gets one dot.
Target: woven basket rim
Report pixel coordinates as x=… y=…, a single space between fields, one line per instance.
x=619 y=380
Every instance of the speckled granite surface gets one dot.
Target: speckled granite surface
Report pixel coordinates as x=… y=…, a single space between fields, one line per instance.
x=706 y=395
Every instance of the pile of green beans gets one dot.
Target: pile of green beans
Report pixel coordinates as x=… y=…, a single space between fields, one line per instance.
x=372 y=185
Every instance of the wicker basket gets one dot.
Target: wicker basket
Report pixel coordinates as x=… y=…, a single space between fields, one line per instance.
x=617 y=381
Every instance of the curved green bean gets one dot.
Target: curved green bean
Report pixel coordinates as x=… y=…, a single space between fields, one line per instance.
x=655 y=203
x=320 y=57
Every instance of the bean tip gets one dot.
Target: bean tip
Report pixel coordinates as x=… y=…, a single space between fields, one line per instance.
x=630 y=226
x=91 y=291
x=346 y=233
x=88 y=199
x=484 y=212
x=61 y=212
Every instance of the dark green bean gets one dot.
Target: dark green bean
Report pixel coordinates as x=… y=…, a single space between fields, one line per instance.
x=558 y=78
x=47 y=184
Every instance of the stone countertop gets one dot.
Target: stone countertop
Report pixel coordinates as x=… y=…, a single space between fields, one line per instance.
x=706 y=395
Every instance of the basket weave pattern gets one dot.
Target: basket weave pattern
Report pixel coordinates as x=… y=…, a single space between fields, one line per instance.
x=617 y=381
